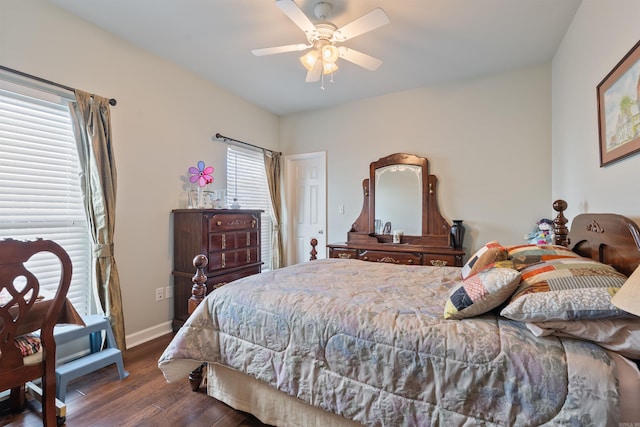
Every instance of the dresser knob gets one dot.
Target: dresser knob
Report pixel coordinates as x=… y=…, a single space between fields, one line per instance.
x=438 y=263
x=219 y=223
x=365 y=258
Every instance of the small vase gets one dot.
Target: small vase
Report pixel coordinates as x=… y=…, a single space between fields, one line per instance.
x=457 y=234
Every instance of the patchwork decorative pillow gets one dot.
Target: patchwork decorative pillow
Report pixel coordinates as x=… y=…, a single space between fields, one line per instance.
x=566 y=289
x=526 y=255
x=487 y=254
x=481 y=292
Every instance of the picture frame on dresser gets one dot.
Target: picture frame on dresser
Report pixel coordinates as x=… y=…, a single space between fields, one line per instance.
x=619 y=109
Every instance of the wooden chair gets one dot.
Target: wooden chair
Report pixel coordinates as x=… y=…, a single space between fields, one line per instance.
x=19 y=290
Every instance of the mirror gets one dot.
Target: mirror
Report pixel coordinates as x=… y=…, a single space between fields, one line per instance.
x=399 y=198
x=400 y=191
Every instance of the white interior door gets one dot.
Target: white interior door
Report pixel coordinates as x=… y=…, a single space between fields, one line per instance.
x=306 y=203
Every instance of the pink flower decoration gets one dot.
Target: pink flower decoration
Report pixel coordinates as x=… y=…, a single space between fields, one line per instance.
x=201 y=174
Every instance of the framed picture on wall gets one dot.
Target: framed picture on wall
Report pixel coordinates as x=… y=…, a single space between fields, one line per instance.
x=619 y=109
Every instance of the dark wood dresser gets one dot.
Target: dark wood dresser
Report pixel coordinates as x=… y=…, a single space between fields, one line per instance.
x=398 y=253
x=400 y=192
x=229 y=237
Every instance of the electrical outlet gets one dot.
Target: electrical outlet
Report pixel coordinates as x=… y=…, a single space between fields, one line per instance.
x=168 y=292
x=159 y=294
x=340 y=209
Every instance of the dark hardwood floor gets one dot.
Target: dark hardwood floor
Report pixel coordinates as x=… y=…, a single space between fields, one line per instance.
x=144 y=398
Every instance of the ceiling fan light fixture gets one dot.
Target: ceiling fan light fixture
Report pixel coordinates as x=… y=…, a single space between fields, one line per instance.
x=329 y=67
x=323 y=36
x=309 y=59
x=329 y=53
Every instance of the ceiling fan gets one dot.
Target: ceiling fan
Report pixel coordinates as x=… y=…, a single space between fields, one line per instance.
x=324 y=39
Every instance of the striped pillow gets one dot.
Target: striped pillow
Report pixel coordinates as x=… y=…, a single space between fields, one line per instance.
x=28 y=344
x=566 y=289
x=526 y=255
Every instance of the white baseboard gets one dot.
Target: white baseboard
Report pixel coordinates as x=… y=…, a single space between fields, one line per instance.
x=148 y=334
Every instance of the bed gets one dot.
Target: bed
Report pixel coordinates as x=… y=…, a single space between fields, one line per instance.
x=344 y=342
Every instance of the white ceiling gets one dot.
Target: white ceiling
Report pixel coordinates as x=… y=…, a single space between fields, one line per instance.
x=427 y=42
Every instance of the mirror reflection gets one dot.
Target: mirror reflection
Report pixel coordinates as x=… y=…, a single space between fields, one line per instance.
x=398 y=198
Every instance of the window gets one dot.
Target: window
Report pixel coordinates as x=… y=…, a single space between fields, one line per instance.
x=40 y=194
x=247 y=181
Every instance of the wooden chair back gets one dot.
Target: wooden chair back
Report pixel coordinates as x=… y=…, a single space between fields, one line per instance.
x=19 y=292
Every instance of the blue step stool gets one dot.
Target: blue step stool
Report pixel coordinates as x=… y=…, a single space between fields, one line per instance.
x=96 y=359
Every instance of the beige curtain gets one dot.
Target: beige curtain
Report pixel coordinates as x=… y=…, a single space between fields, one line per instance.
x=272 y=168
x=92 y=126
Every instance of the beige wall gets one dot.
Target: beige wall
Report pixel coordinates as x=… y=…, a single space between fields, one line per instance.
x=601 y=33
x=488 y=141
x=163 y=124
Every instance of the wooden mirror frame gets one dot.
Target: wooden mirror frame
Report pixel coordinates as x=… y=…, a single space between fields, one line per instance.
x=435 y=229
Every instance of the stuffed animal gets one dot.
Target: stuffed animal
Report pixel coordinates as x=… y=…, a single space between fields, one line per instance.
x=541 y=233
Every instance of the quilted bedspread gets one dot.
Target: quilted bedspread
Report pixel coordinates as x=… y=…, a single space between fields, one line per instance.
x=368 y=341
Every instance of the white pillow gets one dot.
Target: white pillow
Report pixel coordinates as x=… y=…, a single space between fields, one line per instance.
x=620 y=335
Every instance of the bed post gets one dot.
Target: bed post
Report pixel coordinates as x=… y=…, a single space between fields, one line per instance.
x=314 y=243
x=199 y=289
x=560 y=229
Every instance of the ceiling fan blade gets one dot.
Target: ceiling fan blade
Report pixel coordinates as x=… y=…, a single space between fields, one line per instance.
x=280 y=49
x=291 y=9
x=315 y=73
x=359 y=58
x=367 y=22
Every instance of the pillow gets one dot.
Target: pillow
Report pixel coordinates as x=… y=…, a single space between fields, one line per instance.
x=487 y=254
x=526 y=255
x=565 y=289
x=620 y=335
x=481 y=292
x=28 y=344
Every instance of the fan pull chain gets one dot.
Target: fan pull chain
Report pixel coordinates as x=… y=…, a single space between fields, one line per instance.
x=322 y=81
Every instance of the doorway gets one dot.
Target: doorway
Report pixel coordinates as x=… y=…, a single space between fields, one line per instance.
x=306 y=205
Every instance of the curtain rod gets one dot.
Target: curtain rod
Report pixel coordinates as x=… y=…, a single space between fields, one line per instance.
x=112 y=101
x=227 y=139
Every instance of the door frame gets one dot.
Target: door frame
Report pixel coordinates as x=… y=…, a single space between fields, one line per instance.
x=290 y=189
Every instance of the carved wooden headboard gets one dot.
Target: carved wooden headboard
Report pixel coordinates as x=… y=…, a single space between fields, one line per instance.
x=609 y=238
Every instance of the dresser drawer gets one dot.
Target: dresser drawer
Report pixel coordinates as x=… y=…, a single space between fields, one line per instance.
x=232 y=222
x=222 y=279
x=231 y=259
x=391 y=257
x=439 y=260
x=233 y=240
x=343 y=253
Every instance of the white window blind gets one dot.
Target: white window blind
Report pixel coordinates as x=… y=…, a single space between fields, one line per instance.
x=247 y=181
x=40 y=193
